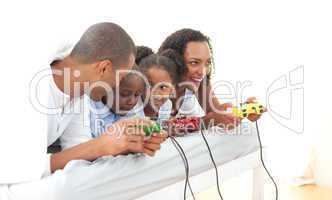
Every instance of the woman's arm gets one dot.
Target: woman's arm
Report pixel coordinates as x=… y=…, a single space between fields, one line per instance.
x=214 y=108
x=208 y=100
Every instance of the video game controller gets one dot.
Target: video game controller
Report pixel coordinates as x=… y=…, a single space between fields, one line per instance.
x=248 y=108
x=148 y=130
x=183 y=124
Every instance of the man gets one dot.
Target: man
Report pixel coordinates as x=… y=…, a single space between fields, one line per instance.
x=91 y=67
x=102 y=50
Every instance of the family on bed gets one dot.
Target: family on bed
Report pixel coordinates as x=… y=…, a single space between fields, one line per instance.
x=121 y=86
x=153 y=87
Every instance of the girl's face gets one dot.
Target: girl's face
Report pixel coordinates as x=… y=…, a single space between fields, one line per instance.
x=129 y=94
x=161 y=87
x=197 y=57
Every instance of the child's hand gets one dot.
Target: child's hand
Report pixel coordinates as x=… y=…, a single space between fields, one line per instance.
x=254 y=117
x=123 y=137
x=153 y=144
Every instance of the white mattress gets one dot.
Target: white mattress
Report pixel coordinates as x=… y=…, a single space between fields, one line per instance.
x=132 y=176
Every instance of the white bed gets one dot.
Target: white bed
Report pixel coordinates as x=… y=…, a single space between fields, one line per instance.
x=162 y=176
x=234 y=154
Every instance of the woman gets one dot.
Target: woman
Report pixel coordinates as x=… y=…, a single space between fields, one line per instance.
x=192 y=53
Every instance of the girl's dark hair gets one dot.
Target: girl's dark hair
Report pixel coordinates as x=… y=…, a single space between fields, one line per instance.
x=151 y=60
x=178 y=42
x=142 y=52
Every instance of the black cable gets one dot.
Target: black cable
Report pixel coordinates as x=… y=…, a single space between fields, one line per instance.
x=214 y=163
x=186 y=164
x=262 y=160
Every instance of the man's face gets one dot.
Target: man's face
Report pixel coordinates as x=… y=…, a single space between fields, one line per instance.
x=118 y=72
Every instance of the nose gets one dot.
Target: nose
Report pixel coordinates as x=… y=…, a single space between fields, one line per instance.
x=132 y=100
x=201 y=70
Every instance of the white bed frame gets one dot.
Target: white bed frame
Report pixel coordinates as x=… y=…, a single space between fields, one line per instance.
x=206 y=179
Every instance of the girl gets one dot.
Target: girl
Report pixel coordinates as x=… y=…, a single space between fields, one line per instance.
x=161 y=73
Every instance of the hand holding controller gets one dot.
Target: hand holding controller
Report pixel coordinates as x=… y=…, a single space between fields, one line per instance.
x=247 y=109
x=182 y=125
x=149 y=130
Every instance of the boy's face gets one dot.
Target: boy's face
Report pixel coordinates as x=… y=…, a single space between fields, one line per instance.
x=129 y=93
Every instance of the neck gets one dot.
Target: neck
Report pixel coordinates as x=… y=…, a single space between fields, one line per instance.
x=180 y=91
x=62 y=75
x=149 y=111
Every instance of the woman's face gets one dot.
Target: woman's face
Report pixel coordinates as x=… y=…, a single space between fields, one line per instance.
x=161 y=87
x=197 y=57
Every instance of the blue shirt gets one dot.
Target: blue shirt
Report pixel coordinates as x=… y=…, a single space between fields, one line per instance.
x=101 y=117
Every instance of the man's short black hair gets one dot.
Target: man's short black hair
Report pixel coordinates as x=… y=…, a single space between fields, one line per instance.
x=104 y=41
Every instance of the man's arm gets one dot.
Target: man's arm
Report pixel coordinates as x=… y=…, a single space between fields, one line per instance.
x=90 y=150
x=111 y=143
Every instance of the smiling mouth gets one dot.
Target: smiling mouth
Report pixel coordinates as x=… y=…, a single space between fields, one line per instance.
x=197 y=80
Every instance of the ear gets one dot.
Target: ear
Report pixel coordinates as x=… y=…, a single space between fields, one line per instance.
x=104 y=67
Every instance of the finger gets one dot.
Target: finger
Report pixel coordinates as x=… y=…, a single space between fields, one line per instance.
x=251 y=100
x=227 y=105
x=254 y=117
x=155 y=140
x=148 y=152
x=152 y=146
x=163 y=134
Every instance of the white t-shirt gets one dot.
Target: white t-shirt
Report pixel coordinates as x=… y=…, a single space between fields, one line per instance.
x=69 y=116
x=44 y=112
x=190 y=107
x=76 y=128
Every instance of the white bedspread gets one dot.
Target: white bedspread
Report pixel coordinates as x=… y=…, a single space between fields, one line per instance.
x=132 y=176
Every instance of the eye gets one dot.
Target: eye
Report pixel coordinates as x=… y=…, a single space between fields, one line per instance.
x=125 y=93
x=163 y=87
x=193 y=62
x=137 y=94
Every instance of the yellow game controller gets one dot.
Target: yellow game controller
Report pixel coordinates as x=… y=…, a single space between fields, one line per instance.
x=248 y=108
